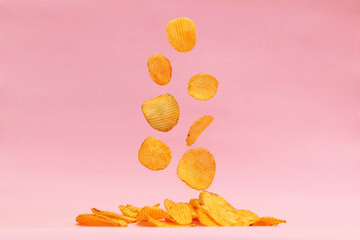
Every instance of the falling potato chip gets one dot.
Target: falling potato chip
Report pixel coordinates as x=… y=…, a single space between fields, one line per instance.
x=268 y=221
x=197 y=168
x=159 y=69
x=204 y=219
x=181 y=213
x=168 y=204
x=127 y=212
x=246 y=218
x=197 y=128
x=162 y=112
x=159 y=223
x=154 y=212
x=202 y=86
x=181 y=34
x=97 y=220
x=113 y=215
x=154 y=154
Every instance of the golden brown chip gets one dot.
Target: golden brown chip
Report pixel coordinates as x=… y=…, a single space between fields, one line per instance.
x=168 y=204
x=203 y=86
x=97 y=220
x=154 y=154
x=204 y=219
x=154 y=212
x=181 y=34
x=181 y=213
x=162 y=112
x=127 y=212
x=159 y=69
x=159 y=223
x=246 y=218
x=197 y=128
x=113 y=215
x=195 y=203
x=268 y=221
x=197 y=168
x=218 y=209
x=138 y=209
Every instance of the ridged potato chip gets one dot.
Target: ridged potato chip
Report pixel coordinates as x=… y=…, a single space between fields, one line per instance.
x=168 y=204
x=154 y=212
x=181 y=34
x=181 y=213
x=197 y=128
x=159 y=223
x=204 y=219
x=154 y=154
x=203 y=86
x=194 y=202
x=246 y=218
x=162 y=112
x=97 y=220
x=159 y=69
x=127 y=212
x=197 y=168
x=268 y=221
x=113 y=215
x=138 y=209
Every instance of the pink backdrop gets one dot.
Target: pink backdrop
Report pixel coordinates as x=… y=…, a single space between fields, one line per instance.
x=286 y=134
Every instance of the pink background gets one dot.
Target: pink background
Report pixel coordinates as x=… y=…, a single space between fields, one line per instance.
x=286 y=134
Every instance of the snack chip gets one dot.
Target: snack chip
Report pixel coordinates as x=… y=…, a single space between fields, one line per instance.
x=181 y=213
x=268 y=221
x=204 y=219
x=194 y=202
x=153 y=212
x=162 y=112
x=127 y=212
x=197 y=168
x=168 y=204
x=154 y=154
x=197 y=128
x=181 y=34
x=138 y=209
x=159 y=69
x=203 y=86
x=98 y=220
x=159 y=223
x=246 y=218
x=113 y=215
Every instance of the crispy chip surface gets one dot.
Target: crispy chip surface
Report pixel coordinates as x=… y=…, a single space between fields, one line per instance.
x=97 y=220
x=154 y=154
x=246 y=218
x=204 y=219
x=195 y=203
x=203 y=86
x=159 y=69
x=181 y=213
x=197 y=168
x=197 y=128
x=168 y=204
x=159 y=223
x=268 y=221
x=113 y=215
x=162 y=112
x=127 y=212
x=181 y=34
x=153 y=212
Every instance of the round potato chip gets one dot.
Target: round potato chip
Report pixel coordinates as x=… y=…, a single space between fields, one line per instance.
x=181 y=34
x=154 y=154
x=159 y=69
x=197 y=128
x=162 y=112
x=182 y=213
x=197 y=168
x=202 y=86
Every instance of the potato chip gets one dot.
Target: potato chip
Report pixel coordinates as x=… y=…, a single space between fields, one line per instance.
x=197 y=168
x=181 y=213
x=268 y=221
x=138 y=209
x=194 y=202
x=159 y=223
x=203 y=86
x=181 y=34
x=154 y=154
x=197 y=128
x=246 y=218
x=127 y=212
x=204 y=219
x=113 y=215
x=168 y=204
x=162 y=112
x=154 y=212
x=98 y=220
x=159 y=69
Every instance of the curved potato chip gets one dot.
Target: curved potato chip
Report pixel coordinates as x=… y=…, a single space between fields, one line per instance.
x=159 y=69
x=181 y=213
x=138 y=209
x=162 y=112
x=159 y=223
x=268 y=221
x=154 y=212
x=181 y=34
x=197 y=168
x=204 y=219
x=197 y=128
x=195 y=203
x=168 y=204
x=113 y=215
x=154 y=154
x=127 y=212
x=97 y=220
x=246 y=218
x=202 y=86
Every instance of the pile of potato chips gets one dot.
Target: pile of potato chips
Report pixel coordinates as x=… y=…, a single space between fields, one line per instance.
x=196 y=167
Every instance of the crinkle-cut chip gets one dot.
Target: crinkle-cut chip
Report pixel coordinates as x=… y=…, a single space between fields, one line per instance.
x=204 y=219
x=168 y=204
x=197 y=168
x=138 y=209
x=127 y=212
x=98 y=220
x=195 y=203
x=113 y=215
x=181 y=34
x=181 y=213
x=203 y=86
x=154 y=212
x=246 y=218
x=159 y=69
x=162 y=112
x=268 y=221
x=218 y=209
x=154 y=154
x=159 y=223
x=197 y=128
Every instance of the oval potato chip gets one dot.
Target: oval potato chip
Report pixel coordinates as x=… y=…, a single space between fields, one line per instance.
x=162 y=112
x=203 y=86
x=181 y=34
x=159 y=69
x=97 y=220
x=182 y=213
x=197 y=128
x=197 y=168
x=154 y=154
x=268 y=221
